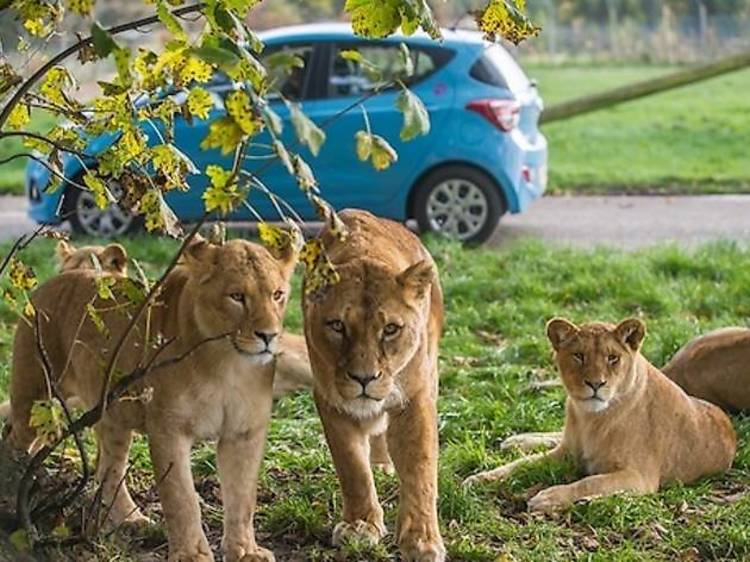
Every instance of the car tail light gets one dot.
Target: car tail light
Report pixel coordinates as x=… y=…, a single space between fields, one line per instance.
x=503 y=114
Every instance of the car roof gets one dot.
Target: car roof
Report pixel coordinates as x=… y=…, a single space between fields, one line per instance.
x=326 y=31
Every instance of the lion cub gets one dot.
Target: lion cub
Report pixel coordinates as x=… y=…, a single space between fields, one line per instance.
x=627 y=425
x=222 y=310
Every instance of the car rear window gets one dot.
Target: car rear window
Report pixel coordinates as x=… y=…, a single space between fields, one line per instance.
x=350 y=78
x=497 y=68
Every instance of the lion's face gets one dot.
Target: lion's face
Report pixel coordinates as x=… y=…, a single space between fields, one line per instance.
x=366 y=329
x=240 y=289
x=112 y=258
x=596 y=360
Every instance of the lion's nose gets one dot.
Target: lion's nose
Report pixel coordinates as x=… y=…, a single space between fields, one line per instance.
x=595 y=385
x=266 y=336
x=364 y=378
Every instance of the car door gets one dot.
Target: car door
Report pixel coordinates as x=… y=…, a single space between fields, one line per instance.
x=345 y=181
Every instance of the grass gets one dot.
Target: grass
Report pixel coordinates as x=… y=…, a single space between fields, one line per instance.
x=493 y=347
x=12 y=174
x=689 y=140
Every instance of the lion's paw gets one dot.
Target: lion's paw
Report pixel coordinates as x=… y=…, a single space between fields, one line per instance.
x=488 y=476
x=246 y=551
x=422 y=550
x=549 y=500
x=184 y=555
x=259 y=554
x=358 y=530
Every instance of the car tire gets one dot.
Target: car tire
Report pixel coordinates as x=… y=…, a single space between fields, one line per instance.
x=460 y=202
x=87 y=219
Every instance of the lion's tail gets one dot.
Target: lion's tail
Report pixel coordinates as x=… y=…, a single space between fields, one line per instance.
x=293 y=371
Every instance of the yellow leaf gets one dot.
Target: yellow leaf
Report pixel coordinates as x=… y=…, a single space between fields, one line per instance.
x=81 y=7
x=47 y=418
x=102 y=196
x=21 y=276
x=506 y=19
x=319 y=271
x=199 y=102
x=19 y=117
x=223 y=133
x=239 y=108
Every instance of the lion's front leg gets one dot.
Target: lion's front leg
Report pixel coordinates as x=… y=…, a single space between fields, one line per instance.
x=413 y=442
x=363 y=516
x=560 y=497
x=170 y=454
x=239 y=460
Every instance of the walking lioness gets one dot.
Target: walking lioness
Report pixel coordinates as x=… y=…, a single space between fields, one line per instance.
x=373 y=342
x=224 y=307
x=627 y=426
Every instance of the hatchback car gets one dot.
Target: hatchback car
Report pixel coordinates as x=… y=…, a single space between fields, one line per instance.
x=484 y=154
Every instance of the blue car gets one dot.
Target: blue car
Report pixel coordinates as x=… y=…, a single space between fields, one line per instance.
x=484 y=155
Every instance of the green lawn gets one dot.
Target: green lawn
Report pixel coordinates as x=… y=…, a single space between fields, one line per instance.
x=690 y=140
x=493 y=347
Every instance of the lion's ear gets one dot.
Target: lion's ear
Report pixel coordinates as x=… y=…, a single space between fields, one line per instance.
x=114 y=258
x=200 y=254
x=560 y=331
x=631 y=333
x=417 y=278
x=64 y=250
x=287 y=256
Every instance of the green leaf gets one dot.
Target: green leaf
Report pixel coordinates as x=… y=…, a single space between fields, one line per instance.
x=406 y=60
x=19 y=117
x=170 y=21
x=102 y=196
x=285 y=61
x=20 y=540
x=223 y=194
x=102 y=41
x=223 y=133
x=215 y=55
x=307 y=131
x=416 y=118
x=374 y=18
x=272 y=119
x=305 y=178
x=97 y=320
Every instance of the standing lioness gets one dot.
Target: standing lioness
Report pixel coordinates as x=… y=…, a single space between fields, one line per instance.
x=373 y=343
x=627 y=426
x=224 y=308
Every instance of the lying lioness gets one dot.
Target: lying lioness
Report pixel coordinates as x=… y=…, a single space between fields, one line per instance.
x=715 y=367
x=627 y=425
x=224 y=308
x=373 y=344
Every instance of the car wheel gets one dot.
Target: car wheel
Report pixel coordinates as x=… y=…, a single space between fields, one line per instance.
x=460 y=202
x=87 y=218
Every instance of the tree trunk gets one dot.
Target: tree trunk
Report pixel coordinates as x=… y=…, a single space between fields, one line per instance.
x=603 y=100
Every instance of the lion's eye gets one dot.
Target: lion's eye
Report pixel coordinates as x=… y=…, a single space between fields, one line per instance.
x=238 y=297
x=336 y=325
x=391 y=330
x=579 y=358
x=278 y=295
x=613 y=359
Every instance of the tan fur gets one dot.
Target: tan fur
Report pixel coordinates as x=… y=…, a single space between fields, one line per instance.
x=627 y=426
x=715 y=367
x=387 y=277
x=222 y=390
x=113 y=258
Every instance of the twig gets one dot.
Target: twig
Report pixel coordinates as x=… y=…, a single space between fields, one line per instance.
x=74 y=48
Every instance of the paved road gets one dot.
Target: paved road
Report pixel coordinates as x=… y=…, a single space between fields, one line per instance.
x=625 y=222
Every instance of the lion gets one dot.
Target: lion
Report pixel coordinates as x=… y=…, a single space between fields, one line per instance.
x=373 y=340
x=112 y=258
x=627 y=426
x=220 y=315
x=716 y=368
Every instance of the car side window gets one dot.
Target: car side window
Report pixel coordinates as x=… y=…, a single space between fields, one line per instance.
x=291 y=83
x=351 y=78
